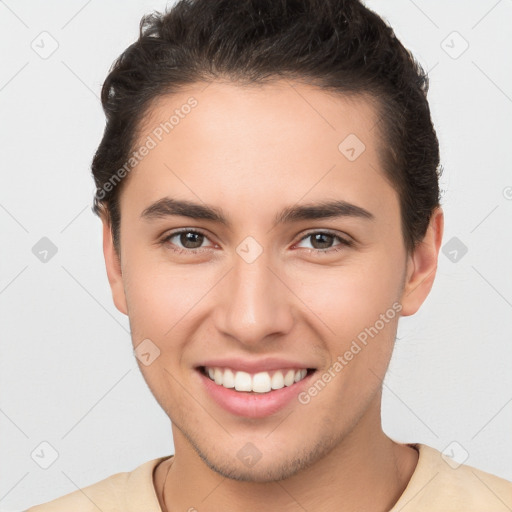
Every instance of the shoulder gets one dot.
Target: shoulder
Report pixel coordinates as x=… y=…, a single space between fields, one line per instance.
x=438 y=483
x=127 y=491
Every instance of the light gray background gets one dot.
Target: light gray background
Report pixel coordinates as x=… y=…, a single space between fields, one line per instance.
x=67 y=373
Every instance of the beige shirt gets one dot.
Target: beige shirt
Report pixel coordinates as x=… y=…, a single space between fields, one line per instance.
x=435 y=486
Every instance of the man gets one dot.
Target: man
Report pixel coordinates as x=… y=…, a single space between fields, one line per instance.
x=268 y=187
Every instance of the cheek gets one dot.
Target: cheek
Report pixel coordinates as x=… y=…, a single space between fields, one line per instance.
x=340 y=301
x=348 y=299
x=358 y=316
x=162 y=297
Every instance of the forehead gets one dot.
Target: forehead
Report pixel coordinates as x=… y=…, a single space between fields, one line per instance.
x=280 y=141
x=220 y=110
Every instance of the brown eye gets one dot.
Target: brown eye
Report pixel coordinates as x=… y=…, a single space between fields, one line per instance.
x=185 y=240
x=322 y=242
x=191 y=239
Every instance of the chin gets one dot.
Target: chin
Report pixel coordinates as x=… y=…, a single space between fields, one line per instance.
x=270 y=466
x=260 y=472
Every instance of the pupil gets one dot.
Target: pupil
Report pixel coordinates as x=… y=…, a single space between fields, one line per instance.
x=187 y=238
x=317 y=237
x=195 y=238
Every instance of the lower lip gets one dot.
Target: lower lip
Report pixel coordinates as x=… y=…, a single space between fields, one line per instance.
x=253 y=405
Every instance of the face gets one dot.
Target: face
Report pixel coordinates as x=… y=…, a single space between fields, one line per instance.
x=261 y=277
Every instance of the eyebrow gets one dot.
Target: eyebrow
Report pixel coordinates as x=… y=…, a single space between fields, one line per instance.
x=167 y=207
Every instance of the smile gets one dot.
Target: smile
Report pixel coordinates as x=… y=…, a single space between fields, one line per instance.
x=261 y=382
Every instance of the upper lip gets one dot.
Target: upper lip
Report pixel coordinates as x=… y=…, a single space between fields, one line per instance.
x=254 y=366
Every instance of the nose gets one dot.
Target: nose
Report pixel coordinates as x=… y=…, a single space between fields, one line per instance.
x=255 y=305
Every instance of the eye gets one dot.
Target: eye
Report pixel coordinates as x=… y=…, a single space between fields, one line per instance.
x=322 y=242
x=190 y=240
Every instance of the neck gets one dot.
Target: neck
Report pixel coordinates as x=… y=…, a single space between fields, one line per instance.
x=365 y=471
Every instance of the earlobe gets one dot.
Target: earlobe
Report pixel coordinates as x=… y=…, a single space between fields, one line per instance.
x=422 y=266
x=113 y=267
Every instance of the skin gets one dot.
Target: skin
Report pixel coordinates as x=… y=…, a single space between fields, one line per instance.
x=253 y=151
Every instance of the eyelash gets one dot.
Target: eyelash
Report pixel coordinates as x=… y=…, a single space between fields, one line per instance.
x=317 y=252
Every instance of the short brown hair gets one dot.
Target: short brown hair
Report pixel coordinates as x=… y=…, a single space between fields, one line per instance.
x=338 y=45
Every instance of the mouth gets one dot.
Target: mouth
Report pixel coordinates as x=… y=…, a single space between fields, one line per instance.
x=255 y=383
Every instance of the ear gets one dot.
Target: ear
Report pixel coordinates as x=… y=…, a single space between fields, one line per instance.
x=113 y=266
x=422 y=266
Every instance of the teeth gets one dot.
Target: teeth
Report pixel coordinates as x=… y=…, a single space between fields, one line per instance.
x=242 y=381
x=228 y=379
x=289 y=378
x=261 y=382
x=277 y=381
